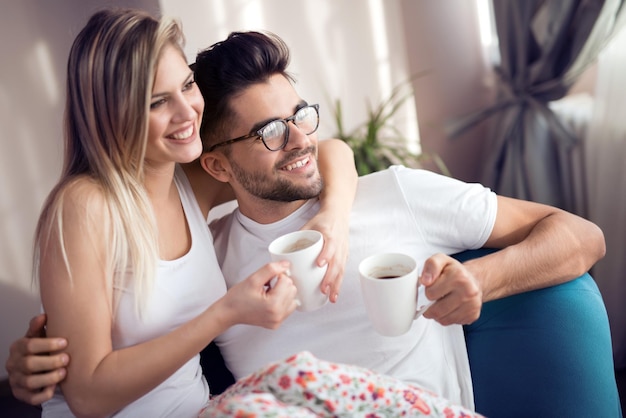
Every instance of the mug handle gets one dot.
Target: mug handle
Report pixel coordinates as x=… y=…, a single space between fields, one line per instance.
x=421 y=296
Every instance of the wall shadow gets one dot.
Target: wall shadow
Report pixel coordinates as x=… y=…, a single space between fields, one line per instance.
x=13 y=325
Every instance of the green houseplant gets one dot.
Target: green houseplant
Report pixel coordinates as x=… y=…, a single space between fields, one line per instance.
x=376 y=142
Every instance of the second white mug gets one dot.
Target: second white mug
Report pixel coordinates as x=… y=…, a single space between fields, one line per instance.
x=390 y=292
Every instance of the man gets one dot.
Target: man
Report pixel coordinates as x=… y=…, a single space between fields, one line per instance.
x=259 y=136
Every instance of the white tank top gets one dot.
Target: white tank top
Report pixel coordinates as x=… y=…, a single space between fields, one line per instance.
x=183 y=289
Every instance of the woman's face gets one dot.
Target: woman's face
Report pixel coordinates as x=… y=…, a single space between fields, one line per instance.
x=175 y=113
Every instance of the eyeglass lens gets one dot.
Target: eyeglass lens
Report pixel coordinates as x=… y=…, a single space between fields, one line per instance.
x=274 y=133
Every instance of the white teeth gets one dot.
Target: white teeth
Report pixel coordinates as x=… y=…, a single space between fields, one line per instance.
x=297 y=164
x=183 y=135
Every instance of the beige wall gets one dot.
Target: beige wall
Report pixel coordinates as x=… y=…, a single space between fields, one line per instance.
x=441 y=37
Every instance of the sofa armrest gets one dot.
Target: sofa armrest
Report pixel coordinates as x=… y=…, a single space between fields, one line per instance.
x=543 y=353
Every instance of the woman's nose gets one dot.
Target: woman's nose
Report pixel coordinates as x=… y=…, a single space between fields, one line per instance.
x=185 y=110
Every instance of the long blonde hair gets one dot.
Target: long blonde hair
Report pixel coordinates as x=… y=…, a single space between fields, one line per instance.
x=110 y=74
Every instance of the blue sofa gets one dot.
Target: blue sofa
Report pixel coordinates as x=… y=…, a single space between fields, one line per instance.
x=545 y=353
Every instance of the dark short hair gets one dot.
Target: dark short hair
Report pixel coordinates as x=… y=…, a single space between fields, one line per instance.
x=226 y=68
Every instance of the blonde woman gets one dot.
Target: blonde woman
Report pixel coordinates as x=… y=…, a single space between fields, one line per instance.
x=123 y=255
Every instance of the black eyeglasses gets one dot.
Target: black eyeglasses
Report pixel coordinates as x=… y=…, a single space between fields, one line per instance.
x=275 y=134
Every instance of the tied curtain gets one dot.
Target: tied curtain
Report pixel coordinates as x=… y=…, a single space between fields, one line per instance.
x=544 y=46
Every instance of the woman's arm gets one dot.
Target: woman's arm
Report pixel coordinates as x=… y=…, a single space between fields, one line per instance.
x=101 y=380
x=336 y=163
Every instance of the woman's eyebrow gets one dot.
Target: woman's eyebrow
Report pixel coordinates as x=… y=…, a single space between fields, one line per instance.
x=187 y=80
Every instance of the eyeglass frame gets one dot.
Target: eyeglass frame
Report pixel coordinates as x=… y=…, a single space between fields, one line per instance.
x=258 y=134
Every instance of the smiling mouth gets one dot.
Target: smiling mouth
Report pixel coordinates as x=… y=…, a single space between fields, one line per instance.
x=298 y=164
x=182 y=135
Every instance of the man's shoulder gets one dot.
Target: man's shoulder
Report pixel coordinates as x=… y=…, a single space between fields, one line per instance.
x=400 y=174
x=220 y=227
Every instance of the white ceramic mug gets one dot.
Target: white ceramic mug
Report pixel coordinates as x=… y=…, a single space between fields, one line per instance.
x=301 y=249
x=392 y=298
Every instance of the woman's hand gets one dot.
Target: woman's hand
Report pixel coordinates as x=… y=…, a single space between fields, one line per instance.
x=336 y=163
x=335 y=250
x=260 y=300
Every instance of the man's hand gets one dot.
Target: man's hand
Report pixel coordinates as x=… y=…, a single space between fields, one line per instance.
x=34 y=368
x=457 y=293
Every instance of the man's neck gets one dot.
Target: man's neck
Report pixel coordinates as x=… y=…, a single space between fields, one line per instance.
x=266 y=212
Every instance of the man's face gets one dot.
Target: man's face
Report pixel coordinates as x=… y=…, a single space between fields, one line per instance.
x=287 y=175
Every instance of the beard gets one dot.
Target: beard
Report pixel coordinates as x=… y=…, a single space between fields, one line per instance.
x=275 y=188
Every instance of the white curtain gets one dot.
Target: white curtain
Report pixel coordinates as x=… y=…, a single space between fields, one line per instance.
x=597 y=177
x=605 y=160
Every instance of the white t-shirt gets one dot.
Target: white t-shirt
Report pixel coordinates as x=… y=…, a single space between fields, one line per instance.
x=183 y=289
x=396 y=210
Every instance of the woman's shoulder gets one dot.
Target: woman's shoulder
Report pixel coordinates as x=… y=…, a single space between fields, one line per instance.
x=81 y=195
x=76 y=207
x=83 y=188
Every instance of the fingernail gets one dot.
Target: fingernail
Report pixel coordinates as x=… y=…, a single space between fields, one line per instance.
x=326 y=289
x=427 y=279
x=61 y=343
x=323 y=263
x=62 y=372
x=65 y=359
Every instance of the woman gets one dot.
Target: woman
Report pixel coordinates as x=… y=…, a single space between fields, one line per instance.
x=125 y=261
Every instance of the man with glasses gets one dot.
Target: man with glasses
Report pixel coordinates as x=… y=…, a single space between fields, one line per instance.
x=259 y=135
x=250 y=98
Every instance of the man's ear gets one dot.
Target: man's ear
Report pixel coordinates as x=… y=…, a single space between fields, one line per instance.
x=216 y=164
